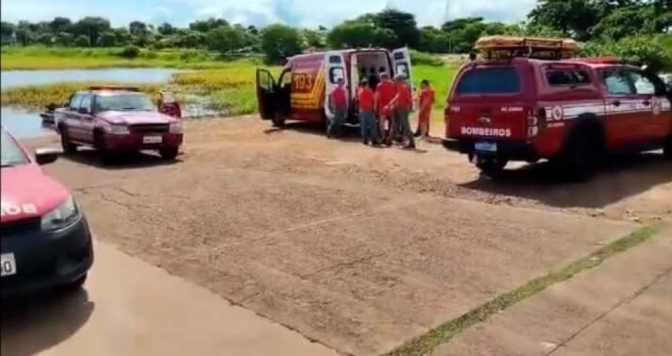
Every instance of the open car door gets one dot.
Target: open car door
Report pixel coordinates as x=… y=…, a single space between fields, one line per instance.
x=401 y=60
x=169 y=105
x=266 y=90
x=334 y=63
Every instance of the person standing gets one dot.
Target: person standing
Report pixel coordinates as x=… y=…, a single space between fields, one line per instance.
x=426 y=100
x=385 y=92
x=367 y=116
x=339 y=102
x=402 y=104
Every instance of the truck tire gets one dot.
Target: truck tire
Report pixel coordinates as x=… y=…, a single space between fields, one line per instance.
x=491 y=166
x=67 y=146
x=168 y=154
x=278 y=120
x=667 y=148
x=581 y=154
x=104 y=155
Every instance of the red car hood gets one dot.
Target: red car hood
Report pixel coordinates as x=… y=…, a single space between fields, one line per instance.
x=135 y=117
x=27 y=192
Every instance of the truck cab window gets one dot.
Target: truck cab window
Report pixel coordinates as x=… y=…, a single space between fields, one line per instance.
x=642 y=84
x=74 y=102
x=617 y=83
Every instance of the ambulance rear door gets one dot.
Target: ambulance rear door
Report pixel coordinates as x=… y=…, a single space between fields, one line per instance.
x=401 y=61
x=334 y=63
x=266 y=94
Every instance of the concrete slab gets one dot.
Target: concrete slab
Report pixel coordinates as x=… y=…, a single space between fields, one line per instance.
x=623 y=307
x=131 y=308
x=364 y=284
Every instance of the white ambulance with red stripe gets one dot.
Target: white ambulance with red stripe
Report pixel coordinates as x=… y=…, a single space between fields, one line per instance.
x=527 y=101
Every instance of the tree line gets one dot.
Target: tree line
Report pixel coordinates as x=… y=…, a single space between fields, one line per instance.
x=603 y=22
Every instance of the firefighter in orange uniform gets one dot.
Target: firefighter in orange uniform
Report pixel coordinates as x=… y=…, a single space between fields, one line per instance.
x=426 y=100
x=402 y=104
x=385 y=92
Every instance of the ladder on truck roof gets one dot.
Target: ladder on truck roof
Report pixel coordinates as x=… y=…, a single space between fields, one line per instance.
x=498 y=47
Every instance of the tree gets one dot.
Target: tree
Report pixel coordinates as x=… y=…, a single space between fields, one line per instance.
x=92 y=28
x=64 y=39
x=572 y=17
x=46 y=39
x=60 y=24
x=166 y=29
x=402 y=24
x=621 y=22
x=205 y=26
x=224 y=39
x=360 y=34
x=108 y=39
x=279 y=42
x=313 y=39
x=7 y=30
x=82 y=41
x=433 y=40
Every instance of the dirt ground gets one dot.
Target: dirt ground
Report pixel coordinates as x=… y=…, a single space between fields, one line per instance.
x=358 y=248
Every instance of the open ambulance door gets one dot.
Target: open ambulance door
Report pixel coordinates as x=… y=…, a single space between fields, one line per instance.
x=401 y=61
x=334 y=63
x=266 y=91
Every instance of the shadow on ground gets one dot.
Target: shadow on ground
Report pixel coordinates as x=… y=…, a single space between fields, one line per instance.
x=349 y=133
x=620 y=177
x=135 y=160
x=36 y=324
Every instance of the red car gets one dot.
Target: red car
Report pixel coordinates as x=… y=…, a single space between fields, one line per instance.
x=117 y=119
x=46 y=241
x=532 y=103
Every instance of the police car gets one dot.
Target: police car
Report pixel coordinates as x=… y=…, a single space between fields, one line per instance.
x=46 y=242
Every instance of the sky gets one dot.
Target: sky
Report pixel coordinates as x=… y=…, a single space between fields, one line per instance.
x=304 y=13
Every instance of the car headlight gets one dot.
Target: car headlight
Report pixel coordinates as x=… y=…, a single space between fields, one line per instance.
x=176 y=127
x=61 y=215
x=116 y=129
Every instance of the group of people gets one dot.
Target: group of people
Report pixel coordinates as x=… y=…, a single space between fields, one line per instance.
x=384 y=111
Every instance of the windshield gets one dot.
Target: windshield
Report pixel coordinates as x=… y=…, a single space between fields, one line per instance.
x=123 y=102
x=12 y=154
x=489 y=81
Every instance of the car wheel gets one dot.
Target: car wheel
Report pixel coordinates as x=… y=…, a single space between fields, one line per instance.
x=75 y=285
x=66 y=145
x=491 y=166
x=169 y=154
x=667 y=149
x=580 y=156
x=278 y=120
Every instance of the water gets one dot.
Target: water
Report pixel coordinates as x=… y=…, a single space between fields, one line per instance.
x=26 y=124
x=124 y=75
x=22 y=124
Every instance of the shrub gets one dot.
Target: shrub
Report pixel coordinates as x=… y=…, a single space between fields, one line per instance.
x=421 y=58
x=129 y=52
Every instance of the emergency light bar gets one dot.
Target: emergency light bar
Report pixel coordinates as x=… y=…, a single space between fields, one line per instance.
x=531 y=47
x=113 y=87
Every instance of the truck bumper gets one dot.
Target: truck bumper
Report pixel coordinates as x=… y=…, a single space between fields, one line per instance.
x=47 y=259
x=137 y=142
x=508 y=150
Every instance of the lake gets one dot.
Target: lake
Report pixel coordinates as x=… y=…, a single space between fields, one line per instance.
x=26 y=124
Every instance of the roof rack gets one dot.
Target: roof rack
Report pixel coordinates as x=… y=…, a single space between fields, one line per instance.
x=114 y=87
x=529 y=47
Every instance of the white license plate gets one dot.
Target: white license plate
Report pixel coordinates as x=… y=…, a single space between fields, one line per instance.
x=486 y=146
x=152 y=139
x=8 y=264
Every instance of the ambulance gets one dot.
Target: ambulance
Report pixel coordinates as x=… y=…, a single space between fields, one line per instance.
x=302 y=90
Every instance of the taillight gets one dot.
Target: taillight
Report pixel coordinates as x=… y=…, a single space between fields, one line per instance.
x=535 y=121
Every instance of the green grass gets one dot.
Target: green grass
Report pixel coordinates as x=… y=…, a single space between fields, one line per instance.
x=424 y=344
x=27 y=58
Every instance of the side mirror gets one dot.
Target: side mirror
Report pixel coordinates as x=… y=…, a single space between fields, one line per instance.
x=83 y=110
x=45 y=156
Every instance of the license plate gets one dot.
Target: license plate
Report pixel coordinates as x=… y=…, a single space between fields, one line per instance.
x=152 y=139
x=486 y=146
x=8 y=264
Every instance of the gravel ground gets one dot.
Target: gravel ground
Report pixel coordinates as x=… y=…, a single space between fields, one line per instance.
x=359 y=248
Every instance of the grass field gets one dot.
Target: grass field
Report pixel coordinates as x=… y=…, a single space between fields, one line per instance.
x=27 y=58
x=227 y=86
